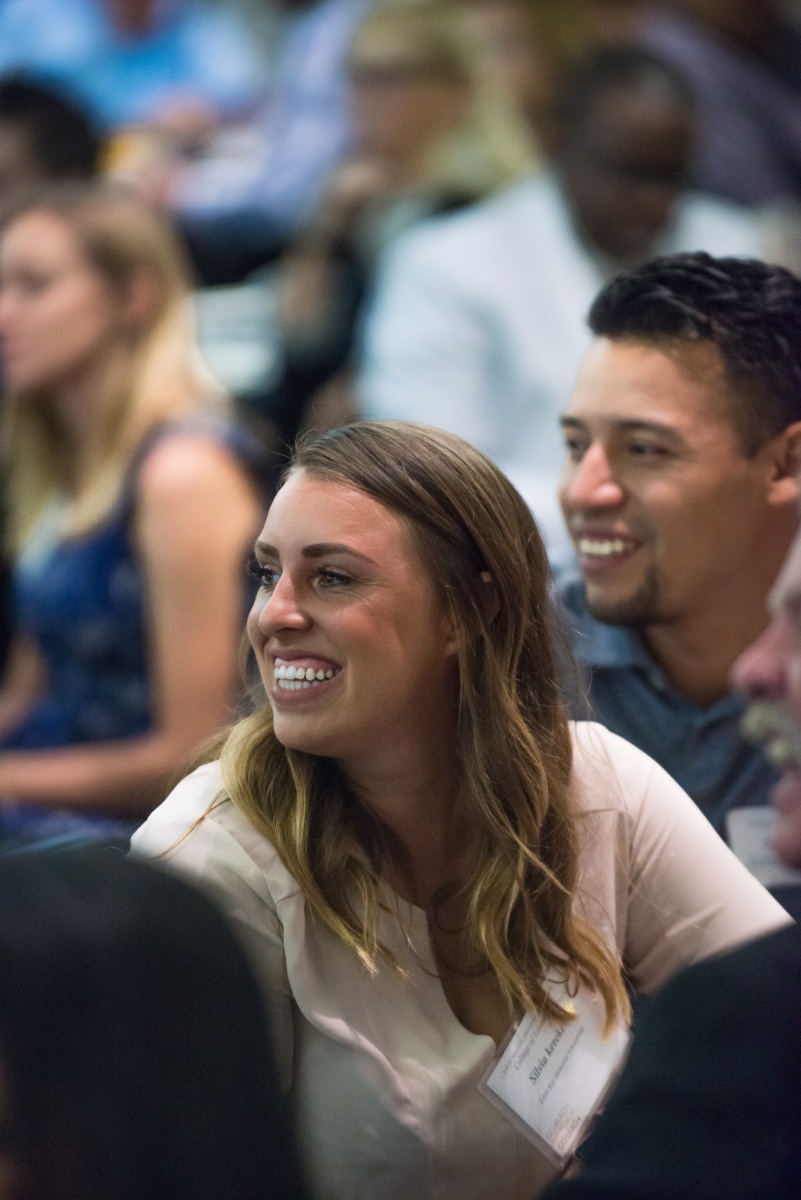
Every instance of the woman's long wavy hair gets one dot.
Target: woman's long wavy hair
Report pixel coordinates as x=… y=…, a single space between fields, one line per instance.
x=513 y=741
x=122 y=239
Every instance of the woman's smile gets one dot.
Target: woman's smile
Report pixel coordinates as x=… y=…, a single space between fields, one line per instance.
x=302 y=680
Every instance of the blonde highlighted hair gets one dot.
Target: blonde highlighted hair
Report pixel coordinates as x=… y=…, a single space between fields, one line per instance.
x=513 y=741
x=121 y=239
x=491 y=147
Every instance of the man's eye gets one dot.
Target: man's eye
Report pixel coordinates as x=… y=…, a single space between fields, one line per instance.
x=267 y=576
x=575 y=448
x=647 y=450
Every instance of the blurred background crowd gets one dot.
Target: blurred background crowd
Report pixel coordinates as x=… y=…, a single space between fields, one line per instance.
x=537 y=145
x=343 y=208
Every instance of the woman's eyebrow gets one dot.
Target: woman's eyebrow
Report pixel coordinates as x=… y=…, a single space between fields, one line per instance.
x=321 y=549
x=317 y=550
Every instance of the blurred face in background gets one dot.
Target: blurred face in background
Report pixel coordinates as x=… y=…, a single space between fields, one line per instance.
x=399 y=106
x=747 y=22
x=623 y=166
x=58 y=315
x=769 y=672
x=19 y=166
x=515 y=58
x=136 y=18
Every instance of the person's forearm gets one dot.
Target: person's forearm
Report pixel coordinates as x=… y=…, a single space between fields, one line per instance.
x=13 y=710
x=130 y=776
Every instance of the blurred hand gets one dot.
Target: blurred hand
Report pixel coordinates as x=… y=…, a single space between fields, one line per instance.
x=352 y=186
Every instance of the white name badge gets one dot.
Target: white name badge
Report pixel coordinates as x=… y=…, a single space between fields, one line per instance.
x=550 y=1080
x=749 y=832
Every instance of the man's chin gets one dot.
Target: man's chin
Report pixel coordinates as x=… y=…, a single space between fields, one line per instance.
x=616 y=605
x=637 y=609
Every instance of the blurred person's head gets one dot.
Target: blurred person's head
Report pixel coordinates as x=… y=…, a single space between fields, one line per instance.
x=43 y=136
x=96 y=345
x=422 y=105
x=769 y=673
x=134 y=1052
x=137 y=18
x=627 y=130
x=525 y=50
x=747 y=23
x=684 y=438
x=529 y=47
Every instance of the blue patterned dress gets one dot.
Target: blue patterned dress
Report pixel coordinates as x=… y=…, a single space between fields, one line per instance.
x=83 y=601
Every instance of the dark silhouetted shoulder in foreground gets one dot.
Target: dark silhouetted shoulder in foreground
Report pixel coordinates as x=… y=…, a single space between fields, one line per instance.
x=709 y=1106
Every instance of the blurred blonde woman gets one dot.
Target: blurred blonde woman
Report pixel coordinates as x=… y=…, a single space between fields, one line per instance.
x=430 y=133
x=412 y=837
x=130 y=501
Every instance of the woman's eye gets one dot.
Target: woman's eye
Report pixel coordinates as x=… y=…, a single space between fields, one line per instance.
x=332 y=579
x=267 y=576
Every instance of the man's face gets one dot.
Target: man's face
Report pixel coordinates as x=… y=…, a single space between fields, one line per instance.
x=769 y=672
x=623 y=169
x=666 y=512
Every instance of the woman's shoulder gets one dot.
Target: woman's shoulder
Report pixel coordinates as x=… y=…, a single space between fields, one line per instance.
x=188 y=449
x=199 y=829
x=611 y=773
x=179 y=455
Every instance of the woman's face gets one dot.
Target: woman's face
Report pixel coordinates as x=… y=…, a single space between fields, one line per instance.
x=399 y=108
x=57 y=313
x=358 y=660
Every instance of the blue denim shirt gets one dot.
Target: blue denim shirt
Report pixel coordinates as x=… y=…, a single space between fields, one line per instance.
x=702 y=748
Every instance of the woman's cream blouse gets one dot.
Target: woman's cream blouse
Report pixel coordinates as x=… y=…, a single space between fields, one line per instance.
x=384 y=1077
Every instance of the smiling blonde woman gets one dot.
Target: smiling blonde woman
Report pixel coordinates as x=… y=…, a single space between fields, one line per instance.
x=412 y=837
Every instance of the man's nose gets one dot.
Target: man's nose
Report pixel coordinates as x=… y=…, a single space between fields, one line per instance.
x=591 y=483
x=760 y=670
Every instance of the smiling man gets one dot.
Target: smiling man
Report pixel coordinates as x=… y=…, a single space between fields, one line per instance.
x=709 y=1105
x=679 y=491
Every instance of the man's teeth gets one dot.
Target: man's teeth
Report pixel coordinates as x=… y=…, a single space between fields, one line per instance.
x=601 y=548
x=292 y=679
x=769 y=723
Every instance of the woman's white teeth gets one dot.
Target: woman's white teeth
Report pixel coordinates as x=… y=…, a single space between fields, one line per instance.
x=292 y=678
x=601 y=548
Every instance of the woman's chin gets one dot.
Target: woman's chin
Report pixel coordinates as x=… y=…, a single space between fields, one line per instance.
x=295 y=734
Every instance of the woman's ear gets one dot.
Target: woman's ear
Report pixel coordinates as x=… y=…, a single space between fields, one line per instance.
x=140 y=299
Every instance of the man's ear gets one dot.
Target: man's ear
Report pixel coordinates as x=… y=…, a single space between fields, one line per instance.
x=785 y=484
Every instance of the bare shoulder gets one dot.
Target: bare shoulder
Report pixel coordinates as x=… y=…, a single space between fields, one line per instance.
x=187 y=464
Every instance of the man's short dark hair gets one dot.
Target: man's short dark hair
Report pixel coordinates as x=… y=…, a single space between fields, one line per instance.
x=631 y=68
x=749 y=310
x=61 y=135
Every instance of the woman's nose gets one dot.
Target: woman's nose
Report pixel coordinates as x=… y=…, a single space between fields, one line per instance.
x=590 y=483
x=281 y=609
